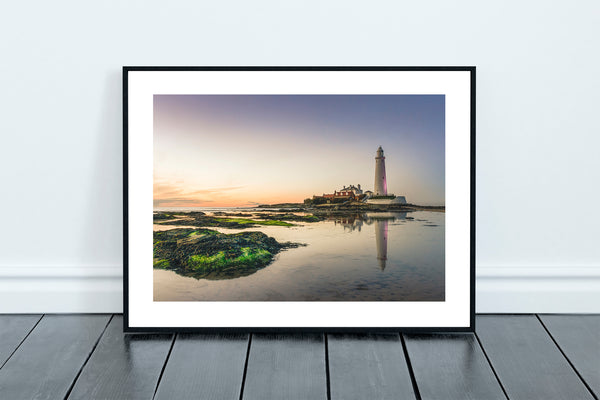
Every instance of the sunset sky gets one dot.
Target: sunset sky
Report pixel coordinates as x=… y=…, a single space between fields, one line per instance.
x=243 y=150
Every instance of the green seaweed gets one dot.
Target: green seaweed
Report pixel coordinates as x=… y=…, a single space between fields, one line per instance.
x=246 y=221
x=208 y=254
x=219 y=261
x=161 y=264
x=250 y=256
x=205 y=263
x=201 y=220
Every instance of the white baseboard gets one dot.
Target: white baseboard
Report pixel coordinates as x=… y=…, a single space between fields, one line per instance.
x=538 y=290
x=49 y=289
x=99 y=289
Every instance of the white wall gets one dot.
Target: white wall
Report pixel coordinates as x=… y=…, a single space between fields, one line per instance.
x=538 y=127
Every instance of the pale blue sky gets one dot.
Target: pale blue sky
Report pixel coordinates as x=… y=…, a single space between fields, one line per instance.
x=224 y=150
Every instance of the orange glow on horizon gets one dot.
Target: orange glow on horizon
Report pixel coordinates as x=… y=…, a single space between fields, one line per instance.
x=181 y=194
x=164 y=204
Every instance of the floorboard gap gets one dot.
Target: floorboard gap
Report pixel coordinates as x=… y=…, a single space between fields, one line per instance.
x=246 y=366
x=21 y=342
x=491 y=366
x=566 y=358
x=327 y=375
x=410 y=369
x=162 y=371
x=87 y=358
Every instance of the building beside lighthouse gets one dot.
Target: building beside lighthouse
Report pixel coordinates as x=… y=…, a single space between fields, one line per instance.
x=352 y=193
x=347 y=193
x=381 y=195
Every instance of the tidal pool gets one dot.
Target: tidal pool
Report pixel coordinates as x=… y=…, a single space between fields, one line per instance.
x=387 y=256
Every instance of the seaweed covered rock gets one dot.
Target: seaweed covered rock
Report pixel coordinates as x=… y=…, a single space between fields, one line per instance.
x=218 y=219
x=291 y=217
x=162 y=216
x=204 y=253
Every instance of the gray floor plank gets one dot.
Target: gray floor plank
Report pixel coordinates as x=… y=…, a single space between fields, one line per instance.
x=368 y=366
x=123 y=366
x=451 y=366
x=13 y=329
x=48 y=361
x=286 y=366
x=526 y=360
x=579 y=338
x=205 y=367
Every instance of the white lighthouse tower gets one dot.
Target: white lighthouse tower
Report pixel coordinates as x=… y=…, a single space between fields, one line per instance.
x=380 y=179
x=381 y=195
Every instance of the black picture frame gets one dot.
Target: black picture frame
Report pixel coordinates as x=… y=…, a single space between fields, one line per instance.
x=183 y=329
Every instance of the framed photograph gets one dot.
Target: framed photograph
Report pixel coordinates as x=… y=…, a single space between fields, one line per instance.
x=299 y=198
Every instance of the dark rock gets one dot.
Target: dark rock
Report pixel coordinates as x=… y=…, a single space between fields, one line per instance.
x=204 y=253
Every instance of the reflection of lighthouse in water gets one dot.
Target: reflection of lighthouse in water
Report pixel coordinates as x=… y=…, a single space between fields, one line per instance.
x=379 y=221
x=381 y=238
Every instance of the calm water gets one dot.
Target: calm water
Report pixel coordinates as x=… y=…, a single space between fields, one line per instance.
x=373 y=256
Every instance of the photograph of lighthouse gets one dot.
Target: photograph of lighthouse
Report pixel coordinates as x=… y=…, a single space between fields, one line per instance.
x=287 y=197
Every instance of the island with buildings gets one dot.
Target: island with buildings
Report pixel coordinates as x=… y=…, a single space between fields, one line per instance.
x=352 y=193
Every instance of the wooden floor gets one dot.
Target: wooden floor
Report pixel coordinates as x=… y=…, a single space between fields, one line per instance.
x=510 y=356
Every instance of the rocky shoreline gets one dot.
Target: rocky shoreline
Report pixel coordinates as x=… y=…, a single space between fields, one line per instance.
x=200 y=252
x=230 y=220
x=208 y=254
x=353 y=206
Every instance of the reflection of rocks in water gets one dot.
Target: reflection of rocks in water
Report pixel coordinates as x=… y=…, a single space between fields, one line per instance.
x=351 y=221
x=381 y=238
x=354 y=221
x=387 y=216
x=220 y=275
x=380 y=220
